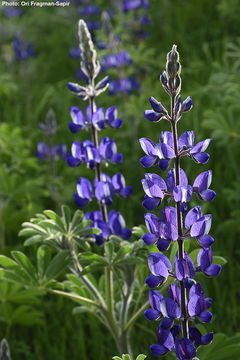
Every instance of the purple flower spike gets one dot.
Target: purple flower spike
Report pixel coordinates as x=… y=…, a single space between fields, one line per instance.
x=186 y=300
x=201 y=185
x=185 y=349
x=205 y=262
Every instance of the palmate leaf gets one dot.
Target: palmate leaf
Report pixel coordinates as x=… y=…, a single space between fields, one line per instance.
x=221 y=348
x=58 y=231
x=128 y=357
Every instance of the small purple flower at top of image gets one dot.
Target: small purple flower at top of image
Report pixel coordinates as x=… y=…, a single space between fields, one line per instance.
x=87 y=10
x=129 y=5
x=13 y=12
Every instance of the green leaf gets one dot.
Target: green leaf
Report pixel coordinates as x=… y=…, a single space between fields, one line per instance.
x=33 y=240
x=130 y=260
x=57 y=265
x=66 y=212
x=24 y=262
x=43 y=259
x=141 y=357
x=121 y=253
x=80 y=310
x=126 y=357
x=89 y=231
x=52 y=215
x=109 y=250
x=91 y=268
x=219 y=260
x=116 y=358
x=7 y=262
x=93 y=257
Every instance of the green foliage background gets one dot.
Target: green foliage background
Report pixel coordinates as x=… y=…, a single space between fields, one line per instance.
x=208 y=39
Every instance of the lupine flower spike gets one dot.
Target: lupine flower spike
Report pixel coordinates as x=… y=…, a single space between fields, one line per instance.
x=178 y=222
x=95 y=153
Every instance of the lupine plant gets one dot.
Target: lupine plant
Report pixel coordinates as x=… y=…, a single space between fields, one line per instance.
x=177 y=226
x=106 y=279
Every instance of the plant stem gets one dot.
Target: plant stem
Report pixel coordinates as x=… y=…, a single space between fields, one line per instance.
x=74 y=297
x=184 y=321
x=136 y=315
x=103 y=207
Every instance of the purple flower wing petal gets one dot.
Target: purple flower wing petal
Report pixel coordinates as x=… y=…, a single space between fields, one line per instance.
x=148 y=161
x=158 y=350
x=192 y=216
x=151 y=314
x=201 y=158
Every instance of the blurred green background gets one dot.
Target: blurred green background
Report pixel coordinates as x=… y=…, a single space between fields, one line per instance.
x=208 y=39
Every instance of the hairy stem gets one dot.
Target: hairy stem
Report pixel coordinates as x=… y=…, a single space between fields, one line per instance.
x=184 y=321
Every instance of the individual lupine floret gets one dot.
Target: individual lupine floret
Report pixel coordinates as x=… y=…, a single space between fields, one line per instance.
x=155 y=152
x=184 y=267
x=198 y=304
x=201 y=186
x=135 y=4
x=84 y=192
x=108 y=151
x=205 y=265
x=185 y=349
x=84 y=152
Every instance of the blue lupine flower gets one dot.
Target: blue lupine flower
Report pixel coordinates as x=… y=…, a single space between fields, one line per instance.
x=204 y=260
x=117 y=225
x=185 y=349
x=84 y=192
x=135 y=4
x=13 y=12
x=201 y=186
x=189 y=302
x=116 y=60
x=22 y=50
x=44 y=151
x=89 y=10
x=197 y=304
x=184 y=267
x=108 y=150
x=125 y=85
x=95 y=152
x=119 y=185
x=74 y=52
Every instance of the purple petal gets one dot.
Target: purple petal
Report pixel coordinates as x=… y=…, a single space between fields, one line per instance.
x=148 y=146
x=192 y=216
x=201 y=226
x=152 y=115
x=150 y=239
x=151 y=314
x=163 y=164
x=163 y=244
x=126 y=192
x=182 y=193
x=74 y=128
x=205 y=316
x=170 y=308
x=207 y=195
x=201 y=158
x=166 y=323
x=194 y=305
x=185 y=349
x=174 y=292
x=205 y=241
x=148 y=161
x=154 y=281
x=151 y=204
x=186 y=140
x=171 y=179
x=166 y=137
x=186 y=104
x=213 y=270
x=206 y=339
x=203 y=181
x=158 y=350
x=152 y=222
x=156 y=105
x=165 y=338
x=200 y=147
x=159 y=265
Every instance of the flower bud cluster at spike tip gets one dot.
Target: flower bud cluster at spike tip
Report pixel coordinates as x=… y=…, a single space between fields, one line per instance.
x=96 y=152
x=90 y=65
x=185 y=301
x=170 y=78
